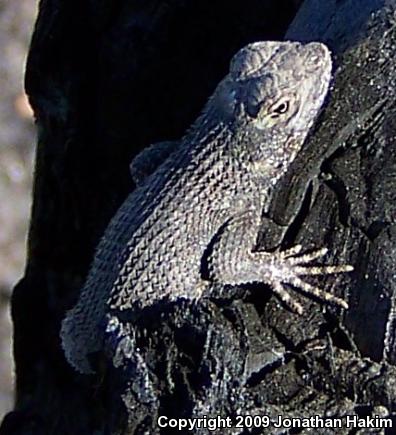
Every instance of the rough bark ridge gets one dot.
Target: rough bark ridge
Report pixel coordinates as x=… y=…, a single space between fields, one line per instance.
x=105 y=80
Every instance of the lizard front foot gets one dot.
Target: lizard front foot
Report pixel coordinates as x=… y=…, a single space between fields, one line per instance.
x=287 y=268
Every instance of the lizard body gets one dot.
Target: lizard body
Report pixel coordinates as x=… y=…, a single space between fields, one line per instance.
x=204 y=201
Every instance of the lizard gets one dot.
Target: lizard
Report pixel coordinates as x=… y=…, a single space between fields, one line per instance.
x=203 y=201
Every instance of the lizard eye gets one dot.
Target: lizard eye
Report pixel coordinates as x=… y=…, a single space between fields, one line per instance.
x=278 y=112
x=279 y=109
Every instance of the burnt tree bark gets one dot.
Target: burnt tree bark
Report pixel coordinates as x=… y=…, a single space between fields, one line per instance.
x=107 y=79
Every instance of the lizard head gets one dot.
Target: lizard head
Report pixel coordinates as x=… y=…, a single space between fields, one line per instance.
x=272 y=94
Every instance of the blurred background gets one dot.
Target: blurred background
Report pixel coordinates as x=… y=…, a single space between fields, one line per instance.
x=17 y=140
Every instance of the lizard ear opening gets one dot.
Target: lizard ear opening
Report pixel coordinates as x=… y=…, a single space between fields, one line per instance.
x=225 y=99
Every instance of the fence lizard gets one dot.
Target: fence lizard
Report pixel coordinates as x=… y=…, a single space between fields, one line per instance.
x=204 y=200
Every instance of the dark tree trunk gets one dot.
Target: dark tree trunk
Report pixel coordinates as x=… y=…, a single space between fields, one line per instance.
x=106 y=79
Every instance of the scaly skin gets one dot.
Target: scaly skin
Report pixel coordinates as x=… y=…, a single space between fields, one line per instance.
x=210 y=192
